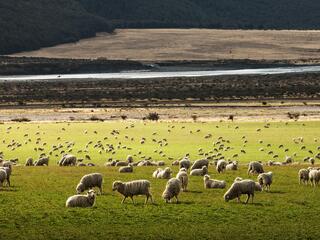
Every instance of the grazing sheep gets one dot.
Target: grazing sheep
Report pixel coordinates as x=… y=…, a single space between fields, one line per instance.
x=221 y=166
x=184 y=179
x=42 y=162
x=129 y=159
x=185 y=163
x=68 y=160
x=29 y=162
x=3 y=176
x=314 y=177
x=199 y=172
x=126 y=169
x=162 y=174
x=232 y=166
x=90 y=181
x=288 y=160
x=121 y=164
x=199 y=164
x=8 y=172
x=213 y=183
x=265 y=180
x=133 y=188
x=240 y=187
x=175 y=163
x=303 y=176
x=255 y=168
x=172 y=190
x=82 y=200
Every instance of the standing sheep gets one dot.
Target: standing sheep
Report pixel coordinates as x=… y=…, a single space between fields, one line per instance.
x=240 y=187
x=172 y=190
x=199 y=164
x=265 y=180
x=133 y=188
x=221 y=166
x=82 y=200
x=3 y=176
x=255 y=168
x=185 y=163
x=212 y=183
x=68 y=160
x=184 y=179
x=29 y=162
x=90 y=181
x=303 y=176
x=199 y=172
x=314 y=177
x=42 y=162
x=8 y=173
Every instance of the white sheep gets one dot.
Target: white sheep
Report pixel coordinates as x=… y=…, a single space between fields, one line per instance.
x=232 y=166
x=8 y=173
x=68 y=160
x=221 y=165
x=184 y=179
x=199 y=164
x=185 y=163
x=126 y=169
x=42 y=162
x=90 y=181
x=314 y=177
x=3 y=176
x=172 y=190
x=133 y=188
x=213 y=183
x=240 y=187
x=29 y=162
x=82 y=200
x=265 y=180
x=121 y=164
x=162 y=174
x=129 y=159
x=303 y=176
x=255 y=168
x=199 y=172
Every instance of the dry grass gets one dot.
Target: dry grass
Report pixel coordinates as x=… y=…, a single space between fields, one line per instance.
x=190 y=44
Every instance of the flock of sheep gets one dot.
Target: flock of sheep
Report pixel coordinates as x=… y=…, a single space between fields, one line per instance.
x=174 y=184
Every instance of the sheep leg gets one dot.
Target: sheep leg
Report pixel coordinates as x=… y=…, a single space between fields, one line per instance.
x=100 y=189
x=8 y=182
x=248 y=197
x=132 y=200
x=124 y=199
x=177 y=199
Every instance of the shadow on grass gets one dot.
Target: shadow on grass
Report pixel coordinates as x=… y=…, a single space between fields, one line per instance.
x=193 y=191
x=8 y=190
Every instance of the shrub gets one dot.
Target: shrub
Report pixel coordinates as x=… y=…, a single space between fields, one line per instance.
x=23 y=119
x=95 y=118
x=294 y=115
x=124 y=117
x=153 y=116
x=194 y=117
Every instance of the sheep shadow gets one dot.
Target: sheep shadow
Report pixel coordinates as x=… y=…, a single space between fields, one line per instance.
x=8 y=190
x=274 y=192
x=193 y=191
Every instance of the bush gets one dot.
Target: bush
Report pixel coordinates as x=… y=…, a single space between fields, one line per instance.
x=124 y=117
x=153 y=116
x=231 y=117
x=294 y=115
x=194 y=117
x=95 y=118
x=23 y=119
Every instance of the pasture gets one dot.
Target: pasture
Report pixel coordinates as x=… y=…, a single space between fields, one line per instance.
x=34 y=206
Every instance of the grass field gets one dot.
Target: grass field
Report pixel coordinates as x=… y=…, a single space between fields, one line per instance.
x=190 y=44
x=33 y=208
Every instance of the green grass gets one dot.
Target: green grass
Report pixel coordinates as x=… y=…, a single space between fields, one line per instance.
x=33 y=208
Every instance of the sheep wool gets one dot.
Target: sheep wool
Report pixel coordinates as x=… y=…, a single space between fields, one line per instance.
x=184 y=179
x=213 y=183
x=90 y=181
x=172 y=190
x=199 y=164
x=82 y=200
x=265 y=180
x=303 y=176
x=240 y=187
x=221 y=165
x=199 y=172
x=255 y=168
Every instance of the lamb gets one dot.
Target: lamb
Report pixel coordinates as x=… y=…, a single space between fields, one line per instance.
x=212 y=183
x=172 y=190
x=240 y=187
x=303 y=176
x=255 y=168
x=185 y=163
x=8 y=171
x=82 y=200
x=42 y=162
x=126 y=169
x=90 y=181
x=68 y=160
x=314 y=177
x=133 y=188
x=162 y=174
x=3 y=176
x=183 y=177
x=29 y=162
x=221 y=165
x=232 y=166
x=265 y=180
x=199 y=172
x=199 y=164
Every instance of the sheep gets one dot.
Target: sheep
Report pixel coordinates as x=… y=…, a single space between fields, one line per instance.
x=3 y=176
x=8 y=171
x=121 y=164
x=68 y=160
x=29 y=162
x=199 y=164
x=265 y=180
x=240 y=187
x=232 y=166
x=129 y=159
x=81 y=164
x=90 y=181
x=126 y=169
x=172 y=190
x=185 y=163
x=199 y=172
x=303 y=176
x=133 y=188
x=255 y=168
x=42 y=162
x=162 y=174
x=314 y=177
x=182 y=175
x=288 y=160
x=82 y=200
x=212 y=183
x=221 y=165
